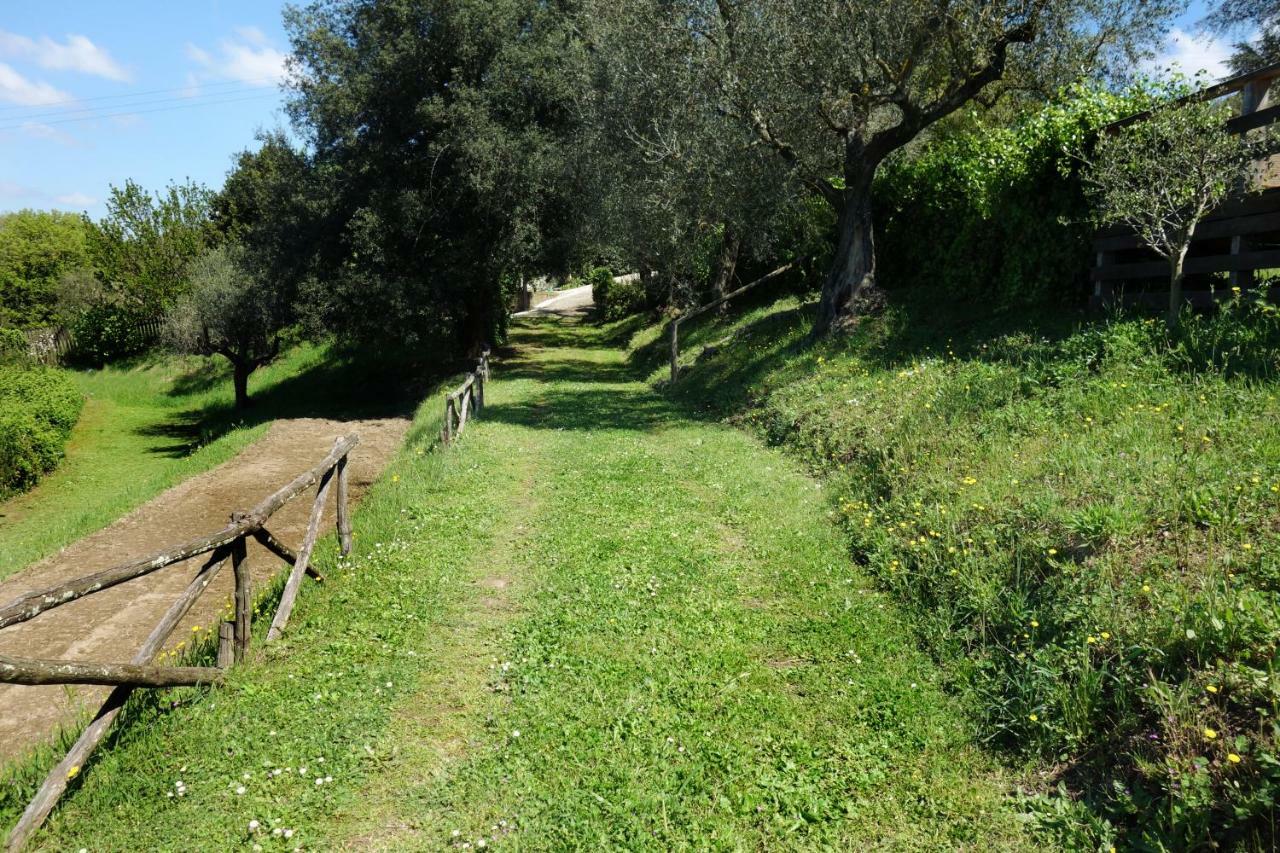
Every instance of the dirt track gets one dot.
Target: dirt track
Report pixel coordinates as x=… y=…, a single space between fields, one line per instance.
x=111 y=625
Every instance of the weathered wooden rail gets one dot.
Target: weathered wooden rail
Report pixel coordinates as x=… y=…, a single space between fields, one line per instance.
x=468 y=399
x=673 y=328
x=51 y=344
x=226 y=545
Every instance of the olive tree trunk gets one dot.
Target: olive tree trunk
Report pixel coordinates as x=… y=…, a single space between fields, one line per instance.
x=1176 y=261
x=240 y=370
x=853 y=269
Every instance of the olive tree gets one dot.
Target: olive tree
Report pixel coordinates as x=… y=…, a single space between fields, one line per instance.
x=230 y=309
x=1162 y=174
x=834 y=87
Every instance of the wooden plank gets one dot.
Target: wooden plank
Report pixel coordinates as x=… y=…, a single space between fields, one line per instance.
x=675 y=349
x=1226 y=87
x=289 y=597
x=32 y=604
x=283 y=551
x=244 y=601
x=764 y=279
x=1268 y=259
x=1255 y=120
x=15 y=670
x=1218 y=229
x=55 y=784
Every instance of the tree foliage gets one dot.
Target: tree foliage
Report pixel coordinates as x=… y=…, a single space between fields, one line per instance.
x=437 y=130
x=37 y=249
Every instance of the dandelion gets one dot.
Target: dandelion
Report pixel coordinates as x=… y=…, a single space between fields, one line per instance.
x=74 y=771
x=1106 y=635
x=240 y=790
x=515 y=733
x=1053 y=552
x=1233 y=758
x=1033 y=718
x=1146 y=587
x=1035 y=624
x=1210 y=734
x=1212 y=688
x=395 y=478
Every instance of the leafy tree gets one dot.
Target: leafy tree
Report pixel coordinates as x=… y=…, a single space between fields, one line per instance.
x=1162 y=174
x=234 y=310
x=37 y=249
x=145 y=244
x=437 y=127
x=835 y=87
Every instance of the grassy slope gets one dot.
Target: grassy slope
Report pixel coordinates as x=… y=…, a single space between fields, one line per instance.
x=594 y=622
x=1081 y=521
x=148 y=426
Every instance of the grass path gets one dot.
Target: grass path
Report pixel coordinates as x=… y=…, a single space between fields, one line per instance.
x=594 y=623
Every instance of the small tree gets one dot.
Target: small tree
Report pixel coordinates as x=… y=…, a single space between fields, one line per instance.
x=1161 y=175
x=231 y=310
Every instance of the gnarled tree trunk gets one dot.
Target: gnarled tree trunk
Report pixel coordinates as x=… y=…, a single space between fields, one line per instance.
x=728 y=264
x=853 y=269
x=240 y=370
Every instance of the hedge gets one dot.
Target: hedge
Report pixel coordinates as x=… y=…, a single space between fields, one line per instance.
x=38 y=408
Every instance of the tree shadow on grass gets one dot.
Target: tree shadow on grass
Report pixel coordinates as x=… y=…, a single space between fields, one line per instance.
x=339 y=388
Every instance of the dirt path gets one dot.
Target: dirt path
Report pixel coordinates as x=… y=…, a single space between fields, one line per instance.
x=111 y=625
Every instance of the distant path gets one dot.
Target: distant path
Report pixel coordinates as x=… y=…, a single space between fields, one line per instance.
x=111 y=625
x=570 y=303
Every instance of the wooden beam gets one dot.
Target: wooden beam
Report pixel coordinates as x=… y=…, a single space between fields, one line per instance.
x=344 y=516
x=1260 y=260
x=265 y=538
x=14 y=670
x=244 y=601
x=289 y=597
x=1215 y=229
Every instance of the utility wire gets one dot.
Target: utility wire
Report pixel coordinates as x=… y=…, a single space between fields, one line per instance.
x=145 y=103
x=125 y=95
x=147 y=112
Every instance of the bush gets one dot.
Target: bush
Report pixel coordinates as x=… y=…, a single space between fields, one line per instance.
x=38 y=408
x=105 y=333
x=615 y=299
x=13 y=347
x=996 y=216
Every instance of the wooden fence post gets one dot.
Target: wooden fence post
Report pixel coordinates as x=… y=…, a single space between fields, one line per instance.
x=226 y=644
x=447 y=433
x=675 y=349
x=479 y=388
x=244 y=599
x=343 y=511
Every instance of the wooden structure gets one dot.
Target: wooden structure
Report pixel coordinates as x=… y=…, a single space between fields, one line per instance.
x=673 y=328
x=223 y=546
x=459 y=405
x=1234 y=242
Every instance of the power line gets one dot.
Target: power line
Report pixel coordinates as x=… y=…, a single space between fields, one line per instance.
x=146 y=112
x=132 y=104
x=125 y=95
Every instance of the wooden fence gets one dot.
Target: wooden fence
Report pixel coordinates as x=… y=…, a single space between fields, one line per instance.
x=227 y=544
x=1238 y=239
x=673 y=329
x=468 y=399
x=50 y=345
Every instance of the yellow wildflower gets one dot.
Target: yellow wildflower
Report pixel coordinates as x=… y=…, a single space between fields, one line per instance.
x=1210 y=734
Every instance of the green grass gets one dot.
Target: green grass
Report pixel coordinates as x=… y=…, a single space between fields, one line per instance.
x=151 y=424
x=594 y=622
x=1080 y=520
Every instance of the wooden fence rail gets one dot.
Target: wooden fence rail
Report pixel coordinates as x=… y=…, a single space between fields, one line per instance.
x=226 y=545
x=459 y=405
x=673 y=330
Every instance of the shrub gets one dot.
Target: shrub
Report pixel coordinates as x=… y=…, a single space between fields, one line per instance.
x=106 y=332
x=601 y=281
x=38 y=408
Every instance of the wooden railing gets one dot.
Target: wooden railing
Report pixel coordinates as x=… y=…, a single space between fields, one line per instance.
x=459 y=405
x=227 y=544
x=673 y=329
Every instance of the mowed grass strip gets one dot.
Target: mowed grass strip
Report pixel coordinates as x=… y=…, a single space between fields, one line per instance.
x=696 y=663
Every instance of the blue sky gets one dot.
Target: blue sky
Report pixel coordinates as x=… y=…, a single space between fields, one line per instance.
x=93 y=92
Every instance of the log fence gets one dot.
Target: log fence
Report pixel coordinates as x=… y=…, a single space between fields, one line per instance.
x=673 y=328
x=467 y=400
x=223 y=546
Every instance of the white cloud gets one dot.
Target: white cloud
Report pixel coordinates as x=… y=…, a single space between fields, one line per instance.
x=248 y=57
x=75 y=200
x=1189 y=54
x=77 y=53
x=8 y=189
x=16 y=89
